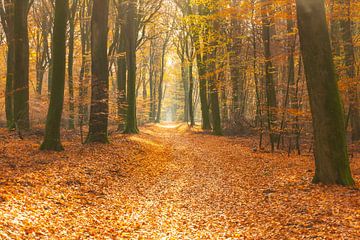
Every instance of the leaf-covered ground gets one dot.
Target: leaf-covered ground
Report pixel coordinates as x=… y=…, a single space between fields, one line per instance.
x=168 y=183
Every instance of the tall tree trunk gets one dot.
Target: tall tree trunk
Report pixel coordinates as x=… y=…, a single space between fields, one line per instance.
x=291 y=44
x=85 y=29
x=21 y=66
x=331 y=156
x=161 y=83
x=99 y=109
x=214 y=99
x=42 y=49
x=121 y=65
x=52 y=132
x=72 y=14
x=237 y=82
x=7 y=22
x=191 y=92
x=213 y=84
x=185 y=84
x=354 y=91
x=151 y=82
x=131 y=42
x=201 y=66
x=270 y=83
x=259 y=115
x=121 y=80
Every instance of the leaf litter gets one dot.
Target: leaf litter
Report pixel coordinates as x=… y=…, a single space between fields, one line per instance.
x=168 y=183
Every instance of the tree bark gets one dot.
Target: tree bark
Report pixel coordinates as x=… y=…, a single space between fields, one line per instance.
x=191 y=93
x=121 y=68
x=21 y=65
x=131 y=42
x=330 y=148
x=72 y=15
x=7 y=22
x=349 y=59
x=52 y=132
x=269 y=69
x=201 y=65
x=99 y=109
x=85 y=29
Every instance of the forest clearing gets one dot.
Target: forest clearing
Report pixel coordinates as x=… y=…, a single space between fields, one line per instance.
x=169 y=183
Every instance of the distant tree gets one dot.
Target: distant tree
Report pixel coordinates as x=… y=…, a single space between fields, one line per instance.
x=70 y=71
x=121 y=62
x=213 y=83
x=201 y=61
x=164 y=47
x=21 y=65
x=235 y=48
x=99 y=109
x=52 y=133
x=267 y=22
x=85 y=72
x=131 y=45
x=42 y=13
x=330 y=148
x=7 y=22
x=349 y=58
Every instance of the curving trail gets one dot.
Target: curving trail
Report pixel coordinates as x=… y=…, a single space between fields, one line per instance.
x=170 y=183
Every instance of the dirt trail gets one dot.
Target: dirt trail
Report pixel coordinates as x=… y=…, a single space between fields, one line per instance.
x=170 y=183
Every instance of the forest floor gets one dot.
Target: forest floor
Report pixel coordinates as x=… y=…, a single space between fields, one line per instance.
x=168 y=183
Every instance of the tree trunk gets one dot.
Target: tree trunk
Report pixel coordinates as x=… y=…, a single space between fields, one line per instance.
x=349 y=55
x=121 y=68
x=72 y=11
x=270 y=83
x=330 y=148
x=201 y=66
x=291 y=45
x=7 y=22
x=214 y=100
x=185 y=84
x=191 y=92
x=99 y=109
x=42 y=49
x=151 y=82
x=213 y=86
x=85 y=29
x=52 y=132
x=21 y=66
x=237 y=81
x=121 y=81
x=131 y=42
x=162 y=73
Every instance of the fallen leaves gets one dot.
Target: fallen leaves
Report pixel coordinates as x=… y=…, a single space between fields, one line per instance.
x=168 y=183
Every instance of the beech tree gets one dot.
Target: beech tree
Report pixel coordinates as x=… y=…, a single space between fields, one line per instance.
x=99 y=109
x=7 y=22
x=121 y=62
x=269 y=69
x=350 y=64
x=72 y=21
x=330 y=147
x=131 y=44
x=21 y=65
x=85 y=72
x=52 y=131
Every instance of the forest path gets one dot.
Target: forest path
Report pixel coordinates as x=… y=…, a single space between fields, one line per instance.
x=219 y=188
x=168 y=182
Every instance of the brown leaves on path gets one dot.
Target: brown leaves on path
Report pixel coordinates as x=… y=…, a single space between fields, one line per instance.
x=171 y=183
